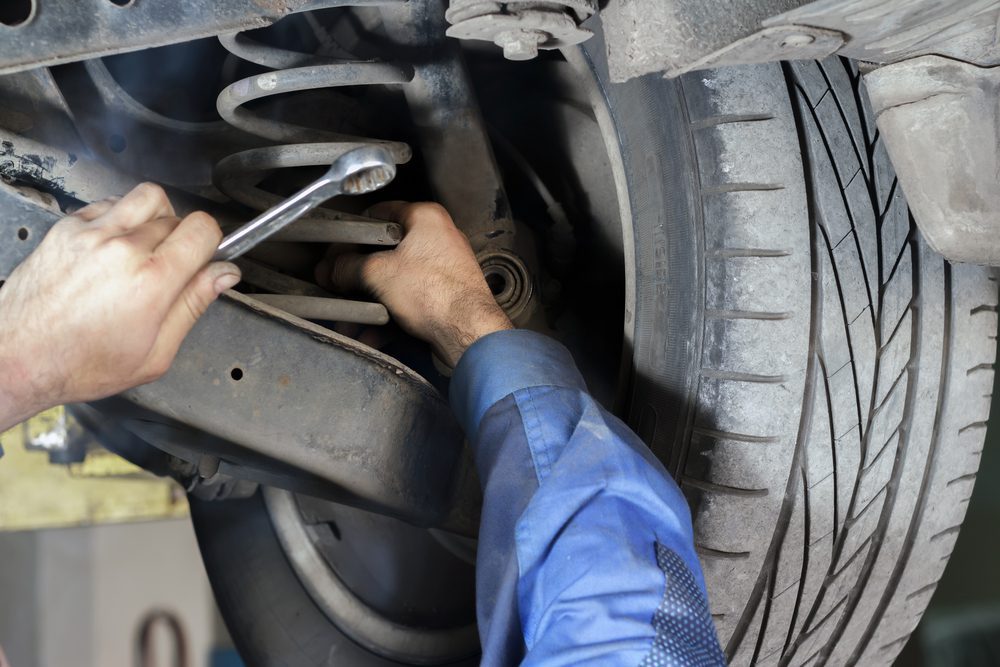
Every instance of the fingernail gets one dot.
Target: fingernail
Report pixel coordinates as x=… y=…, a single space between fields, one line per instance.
x=226 y=281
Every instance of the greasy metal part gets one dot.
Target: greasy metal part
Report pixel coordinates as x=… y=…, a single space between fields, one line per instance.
x=365 y=625
x=456 y=150
x=62 y=31
x=378 y=437
x=508 y=279
x=939 y=119
x=30 y=162
x=677 y=36
x=358 y=171
x=327 y=309
x=345 y=228
x=521 y=27
x=189 y=471
x=277 y=282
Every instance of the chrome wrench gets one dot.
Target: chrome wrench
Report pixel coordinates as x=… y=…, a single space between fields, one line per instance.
x=359 y=170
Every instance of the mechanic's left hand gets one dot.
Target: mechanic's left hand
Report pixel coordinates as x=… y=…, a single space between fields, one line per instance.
x=105 y=301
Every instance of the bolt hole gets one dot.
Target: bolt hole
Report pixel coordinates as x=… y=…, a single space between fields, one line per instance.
x=117 y=143
x=236 y=374
x=122 y=3
x=16 y=12
x=23 y=233
x=496 y=282
x=335 y=529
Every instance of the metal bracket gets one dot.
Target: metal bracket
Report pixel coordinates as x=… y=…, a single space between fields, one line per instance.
x=939 y=119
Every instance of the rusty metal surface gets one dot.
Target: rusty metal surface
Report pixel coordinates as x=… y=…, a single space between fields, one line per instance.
x=60 y=31
x=326 y=309
x=460 y=164
x=318 y=402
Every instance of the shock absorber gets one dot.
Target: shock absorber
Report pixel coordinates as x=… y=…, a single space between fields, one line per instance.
x=238 y=175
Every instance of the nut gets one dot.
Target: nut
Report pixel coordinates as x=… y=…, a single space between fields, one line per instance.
x=520 y=44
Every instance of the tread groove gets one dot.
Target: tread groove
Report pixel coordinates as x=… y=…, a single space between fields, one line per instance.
x=750 y=252
x=951 y=530
x=923 y=589
x=854 y=556
x=731 y=435
x=723 y=489
x=973 y=425
x=721 y=554
x=745 y=315
x=722 y=188
x=727 y=119
x=970 y=477
x=735 y=376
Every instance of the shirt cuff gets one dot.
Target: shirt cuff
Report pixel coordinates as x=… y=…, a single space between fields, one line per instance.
x=500 y=363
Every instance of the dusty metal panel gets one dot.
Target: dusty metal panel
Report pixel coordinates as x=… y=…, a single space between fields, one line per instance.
x=677 y=36
x=884 y=31
x=60 y=31
x=939 y=120
x=669 y=35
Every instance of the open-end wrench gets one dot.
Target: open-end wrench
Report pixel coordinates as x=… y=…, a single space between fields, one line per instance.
x=360 y=170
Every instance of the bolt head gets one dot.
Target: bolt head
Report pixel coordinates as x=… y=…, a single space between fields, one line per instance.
x=796 y=40
x=520 y=44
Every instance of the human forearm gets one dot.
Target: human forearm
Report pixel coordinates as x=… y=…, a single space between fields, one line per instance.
x=587 y=515
x=18 y=399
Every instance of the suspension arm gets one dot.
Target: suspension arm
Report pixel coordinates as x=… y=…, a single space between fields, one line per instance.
x=291 y=403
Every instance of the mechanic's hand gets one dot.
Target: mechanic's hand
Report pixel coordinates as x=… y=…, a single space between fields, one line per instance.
x=105 y=301
x=431 y=282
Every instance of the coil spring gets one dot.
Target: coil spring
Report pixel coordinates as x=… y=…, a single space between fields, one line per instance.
x=237 y=175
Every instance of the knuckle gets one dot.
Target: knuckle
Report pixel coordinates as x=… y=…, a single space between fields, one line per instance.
x=432 y=211
x=157 y=368
x=196 y=301
x=120 y=246
x=198 y=231
x=151 y=190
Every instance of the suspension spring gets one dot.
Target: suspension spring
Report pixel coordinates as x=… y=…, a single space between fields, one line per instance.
x=238 y=175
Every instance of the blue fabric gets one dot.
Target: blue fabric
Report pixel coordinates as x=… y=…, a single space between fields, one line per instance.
x=581 y=525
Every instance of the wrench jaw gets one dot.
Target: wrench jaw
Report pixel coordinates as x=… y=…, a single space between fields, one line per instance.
x=369 y=180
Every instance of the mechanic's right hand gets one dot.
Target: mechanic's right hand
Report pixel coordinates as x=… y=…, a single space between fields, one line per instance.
x=431 y=282
x=105 y=301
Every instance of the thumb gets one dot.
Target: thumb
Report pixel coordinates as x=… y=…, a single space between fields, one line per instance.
x=192 y=303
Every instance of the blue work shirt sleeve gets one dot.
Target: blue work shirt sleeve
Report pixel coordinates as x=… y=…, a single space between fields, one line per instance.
x=586 y=554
